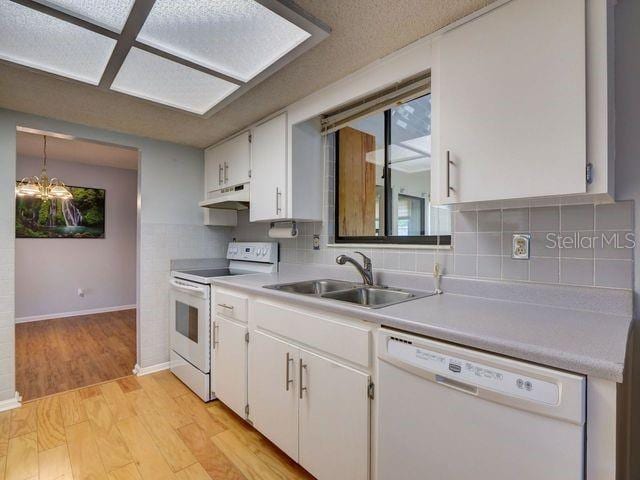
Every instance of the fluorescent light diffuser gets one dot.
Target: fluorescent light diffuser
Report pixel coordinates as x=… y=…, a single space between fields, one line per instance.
x=111 y=14
x=239 y=38
x=154 y=78
x=37 y=40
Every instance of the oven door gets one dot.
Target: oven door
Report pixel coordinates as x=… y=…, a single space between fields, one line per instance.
x=190 y=324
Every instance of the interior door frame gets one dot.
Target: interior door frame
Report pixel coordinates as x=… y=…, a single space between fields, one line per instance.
x=23 y=127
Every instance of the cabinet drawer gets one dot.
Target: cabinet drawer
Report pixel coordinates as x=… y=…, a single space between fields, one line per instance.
x=230 y=305
x=345 y=340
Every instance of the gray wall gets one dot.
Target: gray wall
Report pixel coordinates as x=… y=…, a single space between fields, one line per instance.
x=627 y=22
x=170 y=225
x=104 y=268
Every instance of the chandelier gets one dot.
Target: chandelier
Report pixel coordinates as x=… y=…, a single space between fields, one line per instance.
x=43 y=186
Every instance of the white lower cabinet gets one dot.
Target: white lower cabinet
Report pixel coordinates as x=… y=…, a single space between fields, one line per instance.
x=273 y=388
x=333 y=419
x=314 y=409
x=230 y=364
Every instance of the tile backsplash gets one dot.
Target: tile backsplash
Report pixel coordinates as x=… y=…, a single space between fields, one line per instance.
x=571 y=245
x=481 y=243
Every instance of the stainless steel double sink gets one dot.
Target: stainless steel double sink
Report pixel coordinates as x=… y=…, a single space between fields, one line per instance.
x=368 y=296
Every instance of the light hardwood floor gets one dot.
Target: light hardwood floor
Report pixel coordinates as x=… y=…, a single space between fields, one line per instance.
x=65 y=353
x=135 y=428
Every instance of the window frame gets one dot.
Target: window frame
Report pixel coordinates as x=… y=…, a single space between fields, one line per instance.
x=385 y=239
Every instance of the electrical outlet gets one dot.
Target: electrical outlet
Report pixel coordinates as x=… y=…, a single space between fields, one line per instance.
x=520 y=246
x=316 y=242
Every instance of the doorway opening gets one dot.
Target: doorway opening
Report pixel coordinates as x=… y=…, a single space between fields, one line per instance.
x=76 y=262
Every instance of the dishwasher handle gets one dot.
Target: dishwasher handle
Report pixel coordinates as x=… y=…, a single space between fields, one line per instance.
x=457 y=385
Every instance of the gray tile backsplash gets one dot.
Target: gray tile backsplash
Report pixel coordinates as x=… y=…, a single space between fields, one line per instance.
x=545 y=219
x=482 y=248
x=567 y=245
x=515 y=220
x=576 y=217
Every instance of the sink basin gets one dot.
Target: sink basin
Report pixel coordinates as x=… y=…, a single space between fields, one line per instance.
x=315 y=287
x=367 y=296
x=374 y=297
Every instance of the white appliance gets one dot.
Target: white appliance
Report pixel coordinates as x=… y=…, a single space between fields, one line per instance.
x=191 y=296
x=451 y=413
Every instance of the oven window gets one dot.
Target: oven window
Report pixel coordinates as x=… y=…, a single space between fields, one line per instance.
x=187 y=321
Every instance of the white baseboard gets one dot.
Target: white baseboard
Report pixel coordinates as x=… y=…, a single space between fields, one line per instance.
x=139 y=371
x=12 y=403
x=77 y=313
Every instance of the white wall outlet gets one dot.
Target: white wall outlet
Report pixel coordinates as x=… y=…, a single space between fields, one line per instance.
x=316 y=242
x=81 y=292
x=520 y=246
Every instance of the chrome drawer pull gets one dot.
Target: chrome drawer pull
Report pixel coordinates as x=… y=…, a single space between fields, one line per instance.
x=288 y=381
x=302 y=389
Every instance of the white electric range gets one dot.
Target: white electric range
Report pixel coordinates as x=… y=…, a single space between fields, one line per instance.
x=191 y=298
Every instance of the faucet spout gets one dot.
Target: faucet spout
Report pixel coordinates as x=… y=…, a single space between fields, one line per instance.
x=365 y=270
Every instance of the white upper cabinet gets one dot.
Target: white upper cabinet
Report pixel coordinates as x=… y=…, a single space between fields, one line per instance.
x=269 y=170
x=227 y=164
x=286 y=170
x=510 y=99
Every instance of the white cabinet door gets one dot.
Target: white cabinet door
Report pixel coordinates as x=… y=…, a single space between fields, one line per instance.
x=213 y=172
x=269 y=170
x=273 y=391
x=230 y=364
x=227 y=164
x=509 y=99
x=334 y=419
x=236 y=160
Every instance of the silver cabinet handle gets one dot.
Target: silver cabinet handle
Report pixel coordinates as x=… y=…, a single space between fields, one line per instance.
x=278 y=195
x=215 y=335
x=226 y=172
x=449 y=163
x=288 y=381
x=219 y=174
x=224 y=305
x=302 y=367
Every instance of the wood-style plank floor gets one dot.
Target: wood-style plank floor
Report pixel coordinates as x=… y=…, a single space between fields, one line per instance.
x=65 y=353
x=135 y=428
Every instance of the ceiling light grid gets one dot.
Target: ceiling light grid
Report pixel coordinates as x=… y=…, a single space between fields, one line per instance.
x=191 y=55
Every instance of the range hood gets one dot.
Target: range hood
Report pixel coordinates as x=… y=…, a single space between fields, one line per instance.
x=232 y=198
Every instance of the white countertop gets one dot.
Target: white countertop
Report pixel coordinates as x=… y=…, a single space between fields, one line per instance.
x=585 y=342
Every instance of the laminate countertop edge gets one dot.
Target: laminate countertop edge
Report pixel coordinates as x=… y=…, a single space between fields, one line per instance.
x=584 y=342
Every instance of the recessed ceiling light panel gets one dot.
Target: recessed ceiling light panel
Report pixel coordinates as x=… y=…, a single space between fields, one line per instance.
x=111 y=14
x=154 y=78
x=239 y=38
x=40 y=41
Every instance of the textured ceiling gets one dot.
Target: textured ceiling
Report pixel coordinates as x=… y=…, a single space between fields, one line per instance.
x=90 y=153
x=362 y=31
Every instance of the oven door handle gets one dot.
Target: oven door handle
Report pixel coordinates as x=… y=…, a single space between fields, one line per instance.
x=183 y=286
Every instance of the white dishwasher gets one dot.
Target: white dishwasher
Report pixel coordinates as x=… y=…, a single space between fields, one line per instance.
x=452 y=413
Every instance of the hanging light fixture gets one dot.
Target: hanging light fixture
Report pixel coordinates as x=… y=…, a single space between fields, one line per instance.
x=43 y=187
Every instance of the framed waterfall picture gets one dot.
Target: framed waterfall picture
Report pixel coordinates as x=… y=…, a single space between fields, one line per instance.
x=82 y=216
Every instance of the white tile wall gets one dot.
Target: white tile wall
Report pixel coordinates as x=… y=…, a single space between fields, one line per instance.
x=160 y=243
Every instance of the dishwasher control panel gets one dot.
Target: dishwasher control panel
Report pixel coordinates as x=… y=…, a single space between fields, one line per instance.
x=475 y=374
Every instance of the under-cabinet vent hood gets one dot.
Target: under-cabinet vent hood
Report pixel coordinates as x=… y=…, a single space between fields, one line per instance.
x=232 y=198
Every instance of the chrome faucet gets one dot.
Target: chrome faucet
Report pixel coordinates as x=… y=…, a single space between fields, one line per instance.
x=365 y=270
